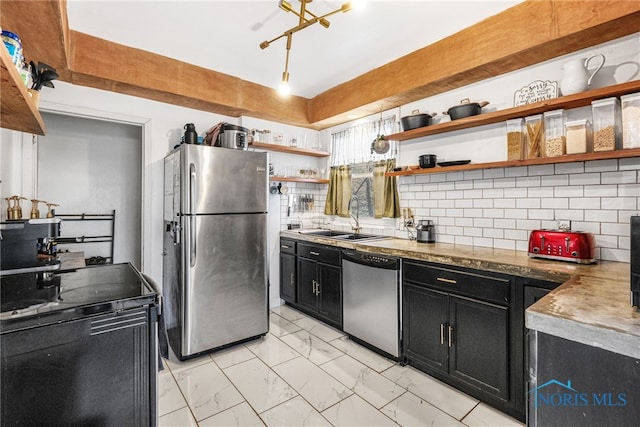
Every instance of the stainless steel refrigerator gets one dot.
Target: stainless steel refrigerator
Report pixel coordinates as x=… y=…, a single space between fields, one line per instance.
x=215 y=279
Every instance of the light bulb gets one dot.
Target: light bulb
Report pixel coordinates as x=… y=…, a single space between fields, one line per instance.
x=284 y=89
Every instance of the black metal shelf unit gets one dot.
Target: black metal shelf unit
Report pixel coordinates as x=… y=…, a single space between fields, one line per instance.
x=107 y=237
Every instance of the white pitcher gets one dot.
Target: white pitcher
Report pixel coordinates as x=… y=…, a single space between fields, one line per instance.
x=576 y=76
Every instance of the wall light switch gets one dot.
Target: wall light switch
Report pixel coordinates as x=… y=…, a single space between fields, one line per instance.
x=564 y=224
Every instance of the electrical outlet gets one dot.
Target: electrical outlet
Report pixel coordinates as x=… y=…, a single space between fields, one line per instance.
x=564 y=224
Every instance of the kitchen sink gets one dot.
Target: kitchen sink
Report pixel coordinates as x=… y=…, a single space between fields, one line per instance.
x=342 y=235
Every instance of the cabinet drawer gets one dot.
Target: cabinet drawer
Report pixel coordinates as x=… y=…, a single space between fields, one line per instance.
x=474 y=283
x=287 y=246
x=324 y=254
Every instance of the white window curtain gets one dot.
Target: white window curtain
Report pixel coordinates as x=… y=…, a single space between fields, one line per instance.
x=353 y=145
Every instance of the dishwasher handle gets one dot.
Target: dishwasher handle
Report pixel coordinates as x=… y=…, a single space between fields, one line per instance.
x=371 y=260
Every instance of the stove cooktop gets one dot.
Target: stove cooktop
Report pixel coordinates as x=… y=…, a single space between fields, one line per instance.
x=91 y=290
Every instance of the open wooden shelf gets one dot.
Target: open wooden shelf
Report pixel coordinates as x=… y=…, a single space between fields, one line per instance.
x=17 y=110
x=294 y=179
x=567 y=102
x=290 y=150
x=602 y=155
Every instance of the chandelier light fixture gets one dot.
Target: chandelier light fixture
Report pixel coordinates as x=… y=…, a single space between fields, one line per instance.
x=306 y=18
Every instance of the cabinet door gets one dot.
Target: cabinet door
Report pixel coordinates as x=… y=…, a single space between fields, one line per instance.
x=306 y=284
x=288 y=277
x=479 y=352
x=424 y=324
x=330 y=293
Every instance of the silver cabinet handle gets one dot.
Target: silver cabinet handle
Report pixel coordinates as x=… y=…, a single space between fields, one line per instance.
x=285 y=246
x=442 y=279
x=314 y=253
x=441 y=333
x=317 y=288
x=450 y=335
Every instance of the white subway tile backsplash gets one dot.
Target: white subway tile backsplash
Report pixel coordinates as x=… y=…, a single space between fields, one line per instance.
x=601 y=165
x=569 y=168
x=528 y=224
x=541 y=214
x=597 y=215
x=517 y=171
x=600 y=190
x=631 y=163
x=629 y=190
x=504 y=203
x=569 y=191
x=540 y=192
x=516 y=213
x=614 y=229
x=529 y=203
x=622 y=177
x=498 y=207
x=584 y=203
x=584 y=179
x=541 y=170
x=554 y=203
x=554 y=180
x=493 y=173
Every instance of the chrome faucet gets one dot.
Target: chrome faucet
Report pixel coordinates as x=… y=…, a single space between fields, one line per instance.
x=356 y=217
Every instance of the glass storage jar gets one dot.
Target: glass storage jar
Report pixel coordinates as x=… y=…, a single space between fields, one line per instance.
x=630 y=120
x=535 y=136
x=578 y=135
x=515 y=139
x=606 y=124
x=554 y=142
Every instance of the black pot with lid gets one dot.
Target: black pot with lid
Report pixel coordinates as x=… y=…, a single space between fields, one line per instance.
x=425 y=231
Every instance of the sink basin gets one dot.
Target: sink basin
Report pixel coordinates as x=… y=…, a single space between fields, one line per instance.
x=341 y=235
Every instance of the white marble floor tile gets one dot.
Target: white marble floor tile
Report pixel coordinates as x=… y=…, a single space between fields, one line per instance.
x=176 y=365
x=311 y=347
x=364 y=381
x=410 y=411
x=355 y=412
x=232 y=356
x=440 y=395
x=315 y=385
x=294 y=413
x=485 y=416
x=207 y=390
x=241 y=415
x=259 y=384
x=280 y=326
x=288 y=313
x=271 y=350
x=169 y=396
x=180 y=418
x=363 y=354
x=319 y=329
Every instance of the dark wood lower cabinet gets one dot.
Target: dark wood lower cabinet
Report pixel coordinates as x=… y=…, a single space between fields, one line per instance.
x=311 y=279
x=457 y=327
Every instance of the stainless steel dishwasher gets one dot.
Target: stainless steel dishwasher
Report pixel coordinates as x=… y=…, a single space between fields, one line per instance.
x=371 y=299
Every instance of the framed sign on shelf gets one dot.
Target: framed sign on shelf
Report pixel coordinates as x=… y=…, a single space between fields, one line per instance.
x=535 y=91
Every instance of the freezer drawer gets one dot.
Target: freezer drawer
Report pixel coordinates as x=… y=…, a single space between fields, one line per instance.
x=224 y=288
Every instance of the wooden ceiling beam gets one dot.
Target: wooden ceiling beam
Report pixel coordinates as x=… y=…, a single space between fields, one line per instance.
x=528 y=33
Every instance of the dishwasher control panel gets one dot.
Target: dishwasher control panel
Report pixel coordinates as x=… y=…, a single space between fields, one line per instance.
x=375 y=260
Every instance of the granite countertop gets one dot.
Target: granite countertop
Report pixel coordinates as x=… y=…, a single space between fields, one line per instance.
x=591 y=306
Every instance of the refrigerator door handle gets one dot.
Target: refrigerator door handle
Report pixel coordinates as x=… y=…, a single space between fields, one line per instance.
x=192 y=218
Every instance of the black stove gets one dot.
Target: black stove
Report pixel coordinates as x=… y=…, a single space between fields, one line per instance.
x=33 y=299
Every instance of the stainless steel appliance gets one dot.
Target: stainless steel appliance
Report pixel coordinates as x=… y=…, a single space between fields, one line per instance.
x=232 y=136
x=425 y=231
x=562 y=245
x=635 y=261
x=215 y=280
x=371 y=300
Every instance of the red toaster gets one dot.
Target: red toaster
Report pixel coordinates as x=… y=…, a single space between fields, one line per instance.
x=573 y=246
